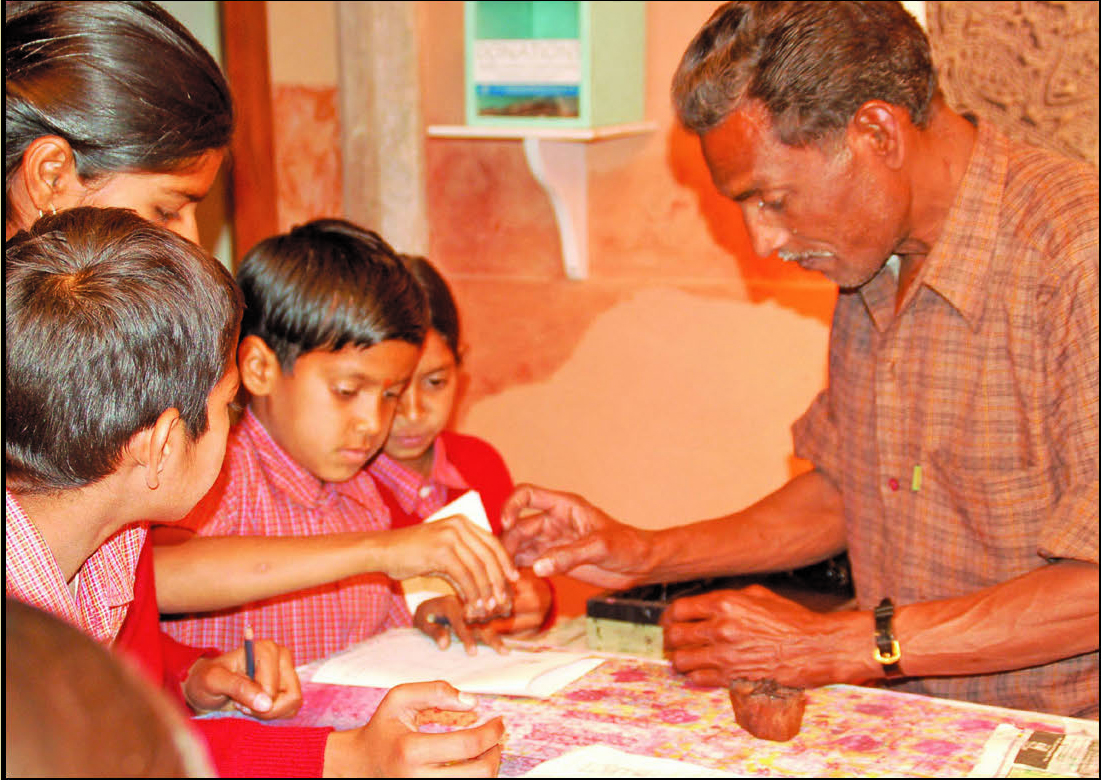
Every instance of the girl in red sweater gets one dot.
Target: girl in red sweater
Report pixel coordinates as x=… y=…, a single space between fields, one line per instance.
x=424 y=467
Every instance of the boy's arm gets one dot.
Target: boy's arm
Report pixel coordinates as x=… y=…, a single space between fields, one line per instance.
x=207 y=573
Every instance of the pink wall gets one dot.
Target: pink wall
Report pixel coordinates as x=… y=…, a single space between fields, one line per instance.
x=663 y=386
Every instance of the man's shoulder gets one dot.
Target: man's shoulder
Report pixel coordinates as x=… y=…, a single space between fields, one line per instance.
x=1049 y=195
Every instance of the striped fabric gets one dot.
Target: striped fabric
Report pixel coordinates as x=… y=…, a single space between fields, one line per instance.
x=105 y=583
x=963 y=432
x=262 y=491
x=415 y=494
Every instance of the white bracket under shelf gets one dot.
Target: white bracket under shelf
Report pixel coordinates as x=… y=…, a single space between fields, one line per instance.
x=557 y=159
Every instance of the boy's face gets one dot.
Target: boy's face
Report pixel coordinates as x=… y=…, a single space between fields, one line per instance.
x=332 y=413
x=203 y=460
x=425 y=406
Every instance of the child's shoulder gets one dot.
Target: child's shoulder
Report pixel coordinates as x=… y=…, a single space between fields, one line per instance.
x=477 y=460
x=463 y=446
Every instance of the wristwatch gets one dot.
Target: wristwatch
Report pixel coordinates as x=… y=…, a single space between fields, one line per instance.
x=887 y=651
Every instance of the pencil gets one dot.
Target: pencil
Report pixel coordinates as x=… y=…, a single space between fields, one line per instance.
x=250 y=655
x=439 y=620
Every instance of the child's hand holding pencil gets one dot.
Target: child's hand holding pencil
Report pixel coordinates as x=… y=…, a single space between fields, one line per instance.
x=258 y=679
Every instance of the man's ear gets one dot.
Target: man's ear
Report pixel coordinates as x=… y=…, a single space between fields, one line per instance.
x=258 y=365
x=878 y=127
x=150 y=449
x=49 y=174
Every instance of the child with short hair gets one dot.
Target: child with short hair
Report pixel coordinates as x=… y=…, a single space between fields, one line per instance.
x=332 y=331
x=119 y=339
x=424 y=466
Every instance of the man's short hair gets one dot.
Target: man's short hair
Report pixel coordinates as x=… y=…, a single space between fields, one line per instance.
x=325 y=285
x=811 y=64
x=108 y=321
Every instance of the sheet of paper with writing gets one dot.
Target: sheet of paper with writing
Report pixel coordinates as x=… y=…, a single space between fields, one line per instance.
x=420 y=589
x=405 y=655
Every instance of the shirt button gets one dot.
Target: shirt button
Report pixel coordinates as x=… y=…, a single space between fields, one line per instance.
x=427 y=489
x=892 y=483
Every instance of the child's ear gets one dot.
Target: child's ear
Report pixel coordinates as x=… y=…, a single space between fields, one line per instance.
x=258 y=364
x=150 y=449
x=49 y=174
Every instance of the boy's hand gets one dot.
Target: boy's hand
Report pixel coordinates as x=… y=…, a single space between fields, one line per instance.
x=213 y=683
x=468 y=557
x=437 y=617
x=532 y=598
x=391 y=746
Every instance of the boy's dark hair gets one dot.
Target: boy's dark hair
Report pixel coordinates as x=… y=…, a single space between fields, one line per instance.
x=108 y=321
x=124 y=83
x=443 y=314
x=325 y=285
x=812 y=64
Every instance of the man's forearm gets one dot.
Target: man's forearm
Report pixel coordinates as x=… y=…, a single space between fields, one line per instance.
x=799 y=524
x=1040 y=617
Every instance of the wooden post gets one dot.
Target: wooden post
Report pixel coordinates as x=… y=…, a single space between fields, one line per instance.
x=255 y=205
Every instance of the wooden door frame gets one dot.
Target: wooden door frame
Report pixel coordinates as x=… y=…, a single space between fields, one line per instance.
x=255 y=213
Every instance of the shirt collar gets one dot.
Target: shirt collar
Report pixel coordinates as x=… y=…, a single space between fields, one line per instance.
x=405 y=483
x=105 y=584
x=958 y=267
x=289 y=476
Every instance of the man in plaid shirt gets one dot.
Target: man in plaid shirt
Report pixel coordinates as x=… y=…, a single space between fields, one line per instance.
x=955 y=448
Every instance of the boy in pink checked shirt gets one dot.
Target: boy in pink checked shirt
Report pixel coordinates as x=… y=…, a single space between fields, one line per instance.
x=332 y=331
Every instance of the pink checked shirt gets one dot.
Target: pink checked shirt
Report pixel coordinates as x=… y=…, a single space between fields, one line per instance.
x=416 y=495
x=262 y=491
x=105 y=583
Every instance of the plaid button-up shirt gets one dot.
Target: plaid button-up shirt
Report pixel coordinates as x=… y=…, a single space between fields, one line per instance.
x=262 y=491
x=962 y=431
x=104 y=583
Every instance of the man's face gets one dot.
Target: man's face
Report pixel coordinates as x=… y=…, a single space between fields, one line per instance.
x=333 y=412
x=837 y=211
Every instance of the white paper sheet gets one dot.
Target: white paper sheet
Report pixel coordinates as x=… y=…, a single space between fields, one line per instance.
x=405 y=655
x=606 y=761
x=420 y=589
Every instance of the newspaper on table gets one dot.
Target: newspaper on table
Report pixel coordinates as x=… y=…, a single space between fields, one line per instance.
x=1016 y=752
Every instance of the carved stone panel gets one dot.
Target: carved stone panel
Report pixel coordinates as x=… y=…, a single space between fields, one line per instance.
x=1029 y=67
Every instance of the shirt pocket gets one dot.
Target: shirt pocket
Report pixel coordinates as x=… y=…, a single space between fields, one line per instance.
x=1000 y=514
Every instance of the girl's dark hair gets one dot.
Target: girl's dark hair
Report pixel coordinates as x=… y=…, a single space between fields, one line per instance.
x=325 y=285
x=108 y=321
x=124 y=83
x=811 y=64
x=443 y=315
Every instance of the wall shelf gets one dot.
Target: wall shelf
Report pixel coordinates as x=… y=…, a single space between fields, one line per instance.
x=556 y=157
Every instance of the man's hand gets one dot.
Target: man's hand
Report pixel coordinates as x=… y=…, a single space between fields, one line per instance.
x=568 y=535
x=755 y=634
x=391 y=746
x=468 y=557
x=213 y=683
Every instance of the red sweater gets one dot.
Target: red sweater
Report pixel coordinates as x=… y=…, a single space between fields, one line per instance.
x=238 y=747
x=479 y=464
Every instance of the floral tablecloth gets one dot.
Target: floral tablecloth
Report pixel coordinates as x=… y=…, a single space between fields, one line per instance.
x=644 y=707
